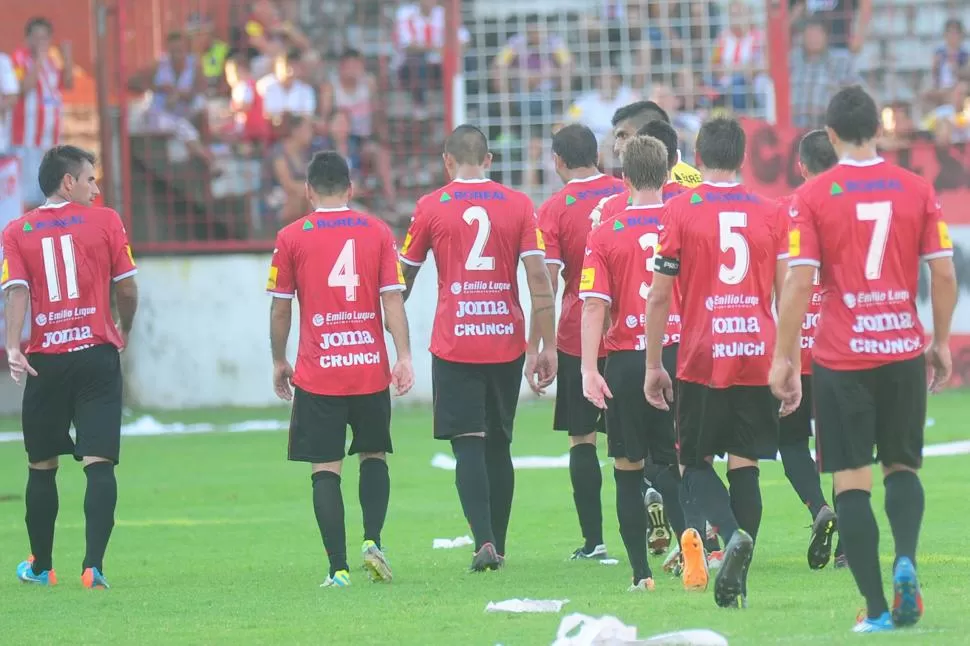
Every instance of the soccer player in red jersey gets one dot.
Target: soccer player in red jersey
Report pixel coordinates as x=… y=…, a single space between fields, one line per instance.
x=865 y=225
x=342 y=266
x=617 y=274
x=64 y=259
x=564 y=222
x=478 y=231
x=727 y=246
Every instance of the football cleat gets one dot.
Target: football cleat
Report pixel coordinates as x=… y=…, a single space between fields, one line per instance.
x=643 y=585
x=907 y=598
x=820 y=545
x=486 y=559
x=882 y=623
x=695 y=573
x=598 y=553
x=714 y=560
x=658 y=539
x=674 y=563
x=92 y=579
x=25 y=573
x=339 y=579
x=375 y=563
x=729 y=582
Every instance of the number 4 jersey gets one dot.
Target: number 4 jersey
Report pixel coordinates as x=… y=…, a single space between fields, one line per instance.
x=338 y=262
x=68 y=255
x=478 y=230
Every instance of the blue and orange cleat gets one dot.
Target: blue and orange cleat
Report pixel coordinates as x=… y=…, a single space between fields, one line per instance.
x=881 y=624
x=92 y=579
x=907 y=599
x=25 y=572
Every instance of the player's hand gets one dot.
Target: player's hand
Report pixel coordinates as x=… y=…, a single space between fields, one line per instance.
x=595 y=389
x=18 y=365
x=531 y=359
x=402 y=377
x=658 y=388
x=939 y=366
x=283 y=380
x=547 y=366
x=786 y=385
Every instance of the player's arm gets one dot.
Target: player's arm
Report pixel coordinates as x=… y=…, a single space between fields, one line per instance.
x=658 y=311
x=123 y=270
x=126 y=302
x=936 y=248
x=395 y=318
x=804 y=259
x=943 y=296
x=548 y=226
x=15 y=283
x=543 y=301
x=15 y=302
x=414 y=251
x=280 y=319
x=281 y=285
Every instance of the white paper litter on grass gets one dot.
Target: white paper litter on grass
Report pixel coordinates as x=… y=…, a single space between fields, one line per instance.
x=526 y=605
x=702 y=637
x=609 y=562
x=451 y=543
x=581 y=630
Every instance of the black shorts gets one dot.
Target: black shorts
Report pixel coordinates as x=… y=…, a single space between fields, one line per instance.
x=740 y=420
x=635 y=430
x=475 y=397
x=797 y=427
x=856 y=410
x=83 y=387
x=574 y=413
x=318 y=425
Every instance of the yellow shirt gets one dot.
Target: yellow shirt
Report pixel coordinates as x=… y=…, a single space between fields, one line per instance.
x=686 y=175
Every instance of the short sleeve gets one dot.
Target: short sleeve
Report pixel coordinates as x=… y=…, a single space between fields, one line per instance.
x=779 y=231
x=594 y=281
x=402 y=29
x=532 y=242
x=935 y=241
x=417 y=241
x=803 y=246
x=391 y=276
x=667 y=258
x=122 y=261
x=549 y=229
x=14 y=270
x=282 y=280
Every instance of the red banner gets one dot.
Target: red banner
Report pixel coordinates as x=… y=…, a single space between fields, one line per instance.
x=771 y=166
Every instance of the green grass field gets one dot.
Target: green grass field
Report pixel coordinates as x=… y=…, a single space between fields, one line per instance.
x=215 y=543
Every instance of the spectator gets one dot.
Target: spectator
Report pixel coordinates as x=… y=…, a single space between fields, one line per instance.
x=211 y=51
x=595 y=109
x=37 y=112
x=837 y=17
x=739 y=61
x=686 y=123
x=898 y=129
x=353 y=91
x=249 y=118
x=289 y=25
x=285 y=92
x=9 y=91
x=699 y=23
x=951 y=62
x=265 y=37
x=285 y=197
x=950 y=123
x=817 y=73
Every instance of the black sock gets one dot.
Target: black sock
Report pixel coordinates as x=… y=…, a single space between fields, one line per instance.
x=667 y=483
x=328 y=507
x=100 y=499
x=860 y=537
x=501 y=487
x=633 y=521
x=904 y=506
x=839 y=551
x=374 y=491
x=650 y=471
x=42 y=505
x=746 y=498
x=712 y=499
x=802 y=473
x=587 y=479
x=471 y=480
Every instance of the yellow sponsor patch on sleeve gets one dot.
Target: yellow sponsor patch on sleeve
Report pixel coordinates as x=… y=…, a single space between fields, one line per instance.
x=407 y=242
x=587 y=278
x=273 y=273
x=400 y=275
x=540 y=241
x=5 y=274
x=794 y=242
x=945 y=241
x=130 y=256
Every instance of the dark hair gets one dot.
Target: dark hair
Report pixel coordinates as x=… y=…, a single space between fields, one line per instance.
x=576 y=146
x=639 y=109
x=174 y=37
x=35 y=22
x=58 y=162
x=328 y=173
x=853 y=115
x=468 y=145
x=816 y=153
x=953 y=23
x=666 y=134
x=721 y=143
x=294 y=55
x=645 y=163
x=350 y=53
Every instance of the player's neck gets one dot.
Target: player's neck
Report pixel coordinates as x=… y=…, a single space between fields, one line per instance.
x=331 y=204
x=56 y=200
x=469 y=174
x=646 y=198
x=720 y=176
x=864 y=153
x=581 y=174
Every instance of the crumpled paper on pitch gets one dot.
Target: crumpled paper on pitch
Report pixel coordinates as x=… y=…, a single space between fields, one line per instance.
x=451 y=543
x=526 y=605
x=580 y=630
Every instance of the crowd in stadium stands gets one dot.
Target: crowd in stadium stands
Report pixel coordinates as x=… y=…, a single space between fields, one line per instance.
x=249 y=107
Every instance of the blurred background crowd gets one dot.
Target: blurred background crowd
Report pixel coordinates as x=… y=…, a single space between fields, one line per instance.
x=215 y=131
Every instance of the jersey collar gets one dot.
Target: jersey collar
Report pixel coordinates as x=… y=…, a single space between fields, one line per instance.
x=722 y=184
x=53 y=205
x=473 y=180
x=331 y=210
x=587 y=179
x=635 y=207
x=862 y=164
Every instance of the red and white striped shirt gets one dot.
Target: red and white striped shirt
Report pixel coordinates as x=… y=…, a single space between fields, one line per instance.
x=413 y=28
x=732 y=51
x=37 y=115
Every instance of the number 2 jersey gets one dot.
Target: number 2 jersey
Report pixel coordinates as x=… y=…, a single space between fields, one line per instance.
x=865 y=226
x=68 y=255
x=338 y=262
x=477 y=230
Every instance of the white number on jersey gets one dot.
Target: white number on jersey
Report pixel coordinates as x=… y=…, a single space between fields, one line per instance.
x=648 y=242
x=880 y=213
x=50 y=268
x=730 y=239
x=344 y=272
x=476 y=261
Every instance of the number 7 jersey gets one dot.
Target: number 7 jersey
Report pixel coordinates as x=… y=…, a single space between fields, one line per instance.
x=68 y=255
x=478 y=230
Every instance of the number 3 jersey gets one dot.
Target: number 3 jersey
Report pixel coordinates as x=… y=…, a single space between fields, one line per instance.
x=68 y=255
x=724 y=242
x=477 y=230
x=338 y=262
x=866 y=225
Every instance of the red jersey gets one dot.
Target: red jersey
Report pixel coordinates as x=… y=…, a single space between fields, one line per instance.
x=619 y=269
x=866 y=225
x=610 y=207
x=341 y=348
x=68 y=255
x=478 y=230
x=565 y=224
x=810 y=322
x=724 y=242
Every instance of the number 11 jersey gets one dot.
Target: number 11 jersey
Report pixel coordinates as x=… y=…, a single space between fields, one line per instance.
x=478 y=230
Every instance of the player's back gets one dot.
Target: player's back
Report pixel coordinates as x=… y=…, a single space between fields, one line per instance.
x=69 y=254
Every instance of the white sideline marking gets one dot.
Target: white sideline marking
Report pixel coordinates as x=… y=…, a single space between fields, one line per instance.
x=147 y=425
